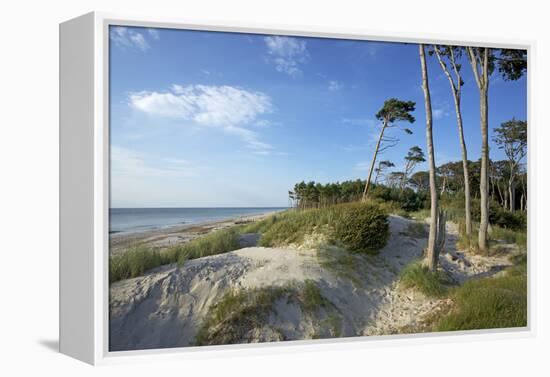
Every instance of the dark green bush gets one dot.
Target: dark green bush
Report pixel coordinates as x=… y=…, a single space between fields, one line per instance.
x=501 y=217
x=407 y=199
x=362 y=227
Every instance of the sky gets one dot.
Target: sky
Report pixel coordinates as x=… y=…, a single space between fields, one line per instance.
x=212 y=119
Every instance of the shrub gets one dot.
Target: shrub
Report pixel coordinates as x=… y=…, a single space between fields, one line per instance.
x=406 y=199
x=362 y=227
x=499 y=216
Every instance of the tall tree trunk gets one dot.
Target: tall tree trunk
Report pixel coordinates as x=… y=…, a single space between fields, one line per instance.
x=367 y=184
x=467 y=198
x=482 y=79
x=455 y=89
x=431 y=252
x=512 y=189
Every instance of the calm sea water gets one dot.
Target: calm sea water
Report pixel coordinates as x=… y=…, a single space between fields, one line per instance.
x=127 y=220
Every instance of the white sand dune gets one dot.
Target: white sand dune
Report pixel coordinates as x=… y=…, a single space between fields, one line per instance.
x=165 y=308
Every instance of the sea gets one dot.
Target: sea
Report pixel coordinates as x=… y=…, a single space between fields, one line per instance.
x=131 y=220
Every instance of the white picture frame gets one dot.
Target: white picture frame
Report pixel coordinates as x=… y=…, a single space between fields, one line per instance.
x=84 y=189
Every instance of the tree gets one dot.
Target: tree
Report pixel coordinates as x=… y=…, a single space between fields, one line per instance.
x=420 y=180
x=482 y=66
x=432 y=251
x=452 y=54
x=382 y=165
x=512 y=64
x=393 y=111
x=511 y=136
x=414 y=157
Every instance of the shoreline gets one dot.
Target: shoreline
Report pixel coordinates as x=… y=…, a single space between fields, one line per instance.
x=177 y=234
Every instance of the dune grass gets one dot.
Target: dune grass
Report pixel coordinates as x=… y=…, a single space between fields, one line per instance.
x=238 y=315
x=432 y=284
x=357 y=226
x=493 y=302
x=216 y=242
x=134 y=262
x=141 y=258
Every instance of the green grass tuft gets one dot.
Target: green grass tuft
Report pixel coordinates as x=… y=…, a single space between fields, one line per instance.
x=432 y=284
x=134 y=262
x=238 y=316
x=139 y=259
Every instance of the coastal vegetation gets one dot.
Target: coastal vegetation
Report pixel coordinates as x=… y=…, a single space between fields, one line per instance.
x=344 y=225
x=238 y=315
x=359 y=227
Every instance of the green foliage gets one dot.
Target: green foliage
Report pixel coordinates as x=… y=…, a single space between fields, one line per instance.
x=236 y=316
x=395 y=110
x=139 y=259
x=311 y=298
x=363 y=228
x=237 y=313
x=358 y=226
x=216 y=242
x=133 y=262
x=519 y=237
x=512 y=63
x=407 y=199
x=494 y=302
x=432 y=284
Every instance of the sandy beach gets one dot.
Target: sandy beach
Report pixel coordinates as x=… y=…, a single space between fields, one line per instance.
x=165 y=307
x=178 y=234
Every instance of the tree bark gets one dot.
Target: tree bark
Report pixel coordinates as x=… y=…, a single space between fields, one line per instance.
x=431 y=252
x=482 y=79
x=455 y=89
x=483 y=187
x=367 y=184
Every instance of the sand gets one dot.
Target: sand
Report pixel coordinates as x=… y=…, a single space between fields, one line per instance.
x=178 y=234
x=166 y=307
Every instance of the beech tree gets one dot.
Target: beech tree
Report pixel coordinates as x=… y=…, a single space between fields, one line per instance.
x=436 y=218
x=452 y=54
x=390 y=114
x=512 y=64
x=511 y=136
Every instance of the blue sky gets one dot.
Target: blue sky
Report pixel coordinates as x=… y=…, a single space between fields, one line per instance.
x=207 y=119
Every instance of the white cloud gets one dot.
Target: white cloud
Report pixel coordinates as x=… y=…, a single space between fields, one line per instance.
x=287 y=54
x=128 y=163
x=204 y=71
x=439 y=113
x=154 y=33
x=225 y=107
x=128 y=38
x=334 y=85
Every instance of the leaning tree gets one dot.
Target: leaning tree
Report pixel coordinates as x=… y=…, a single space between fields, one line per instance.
x=450 y=56
x=382 y=166
x=390 y=114
x=414 y=156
